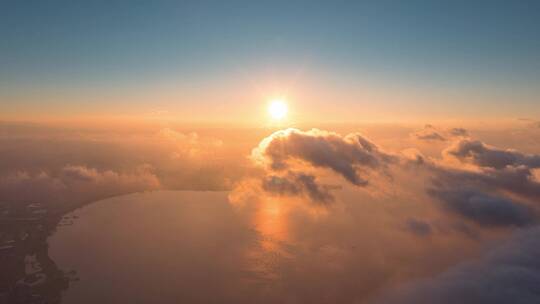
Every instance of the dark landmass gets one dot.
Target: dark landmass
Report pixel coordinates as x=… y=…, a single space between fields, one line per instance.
x=28 y=274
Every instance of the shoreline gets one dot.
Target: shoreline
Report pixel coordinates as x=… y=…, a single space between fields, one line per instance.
x=27 y=235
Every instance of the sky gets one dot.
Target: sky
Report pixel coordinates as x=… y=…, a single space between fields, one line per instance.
x=342 y=61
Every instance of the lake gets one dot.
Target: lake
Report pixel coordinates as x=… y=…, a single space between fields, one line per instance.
x=197 y=247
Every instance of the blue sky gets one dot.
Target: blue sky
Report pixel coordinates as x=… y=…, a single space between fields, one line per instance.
x=96 y=45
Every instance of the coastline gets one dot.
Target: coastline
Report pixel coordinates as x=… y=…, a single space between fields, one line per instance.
x=23 y=237
x=27 y=239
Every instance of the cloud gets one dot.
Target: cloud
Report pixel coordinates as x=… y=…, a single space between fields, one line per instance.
x=483 y=209
x=478 y=153
x=459 y=132
x=349 y=156
x=189 y=145
x=507 y=274
x=81 y=173
x=418 y=227
x=430 y=133
x=489 y=186
x=291 y=158
x=288 y=158
x=73 y=184
x=517 y=180
x=188 y=160
x=297 y=184
x=488 y=169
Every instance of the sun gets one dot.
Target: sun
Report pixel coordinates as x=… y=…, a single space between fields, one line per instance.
x=278 y=109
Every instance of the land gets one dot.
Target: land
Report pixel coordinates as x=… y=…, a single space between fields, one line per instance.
x=28 y=274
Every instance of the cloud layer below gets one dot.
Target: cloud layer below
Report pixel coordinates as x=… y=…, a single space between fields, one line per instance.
x=366 y=222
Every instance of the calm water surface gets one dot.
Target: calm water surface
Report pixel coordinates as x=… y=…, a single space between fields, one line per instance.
x=197 y=247
x=163 y=247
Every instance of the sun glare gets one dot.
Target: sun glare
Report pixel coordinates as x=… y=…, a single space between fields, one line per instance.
x=278 y=109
